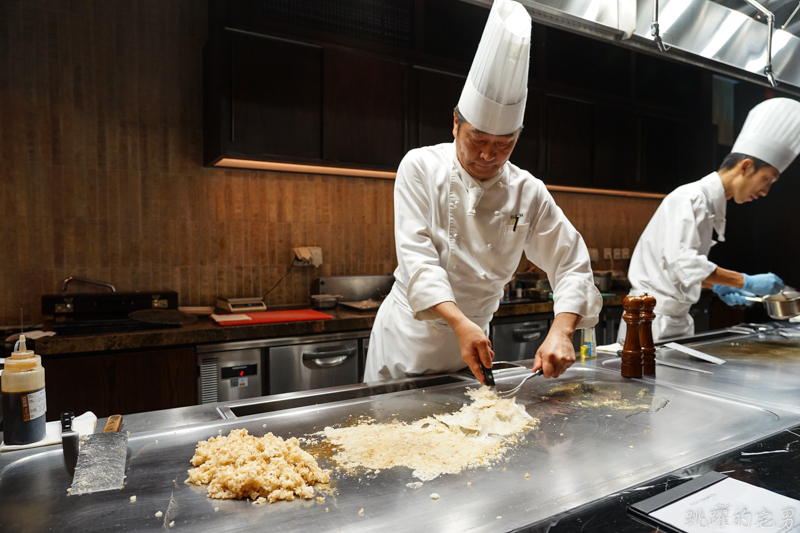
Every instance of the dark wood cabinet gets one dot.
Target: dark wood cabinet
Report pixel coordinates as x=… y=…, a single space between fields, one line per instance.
x=527 y=152
x=436 y=95
x=616 y=148
x=323 y=87
x=120 y=383
x=675 y=152
x=276 y=97
x=570 y=141
x=364 y=109
x=263 y=99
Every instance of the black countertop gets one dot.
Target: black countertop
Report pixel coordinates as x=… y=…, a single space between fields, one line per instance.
x=206 y=331
x=773 y=463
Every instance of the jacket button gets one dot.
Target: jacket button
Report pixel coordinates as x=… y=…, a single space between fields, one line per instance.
x=455 y=267
x=489 y=245
x=457 y=202
x=473 y=301
x=497 y=213
x=455 y=235
x=483 y=274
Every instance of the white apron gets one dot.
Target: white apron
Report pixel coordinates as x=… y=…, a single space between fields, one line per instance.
x=670 y=260
x=455 y=243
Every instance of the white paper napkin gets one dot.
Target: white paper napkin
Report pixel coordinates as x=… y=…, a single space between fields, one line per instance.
x=83 y=424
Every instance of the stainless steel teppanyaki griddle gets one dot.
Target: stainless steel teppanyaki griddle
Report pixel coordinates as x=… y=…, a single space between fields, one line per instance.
x=580 y=453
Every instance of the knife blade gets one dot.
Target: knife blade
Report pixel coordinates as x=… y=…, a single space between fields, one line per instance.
x=695 y=353
x=683 y=367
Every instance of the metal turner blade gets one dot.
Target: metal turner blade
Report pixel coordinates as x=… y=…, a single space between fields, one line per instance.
x=521 y=383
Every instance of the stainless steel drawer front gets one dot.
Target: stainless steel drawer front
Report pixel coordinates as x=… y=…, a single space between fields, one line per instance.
x=312 y=366
x=211 y=382
x=517 y=341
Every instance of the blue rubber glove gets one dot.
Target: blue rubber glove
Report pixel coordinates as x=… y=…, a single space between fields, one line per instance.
x=763 y=284
x=732 y=296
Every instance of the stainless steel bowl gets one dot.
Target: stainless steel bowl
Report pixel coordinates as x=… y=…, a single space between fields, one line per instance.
x=325 y=301
x=602 y=280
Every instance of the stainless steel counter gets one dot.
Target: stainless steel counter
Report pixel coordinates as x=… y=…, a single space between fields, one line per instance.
x=580 y=453
x=760 y=369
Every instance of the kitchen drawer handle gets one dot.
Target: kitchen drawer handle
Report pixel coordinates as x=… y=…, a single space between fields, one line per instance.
x=331 y=358
x=527 y=334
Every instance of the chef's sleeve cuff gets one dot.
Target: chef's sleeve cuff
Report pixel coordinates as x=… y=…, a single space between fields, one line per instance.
x=576 y=294
x=428 y=287
x=691 y=269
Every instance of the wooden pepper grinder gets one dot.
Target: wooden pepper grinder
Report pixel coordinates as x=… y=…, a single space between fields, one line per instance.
x=632 y=350
x=646 y=334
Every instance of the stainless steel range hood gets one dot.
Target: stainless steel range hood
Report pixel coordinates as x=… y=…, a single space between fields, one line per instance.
x=727 y=36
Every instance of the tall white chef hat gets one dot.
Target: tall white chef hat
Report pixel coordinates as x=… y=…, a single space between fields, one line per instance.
x=493 y=99
x=771 y=132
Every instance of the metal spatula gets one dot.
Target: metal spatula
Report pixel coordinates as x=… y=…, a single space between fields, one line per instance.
x=521 y=383
x=101 y=460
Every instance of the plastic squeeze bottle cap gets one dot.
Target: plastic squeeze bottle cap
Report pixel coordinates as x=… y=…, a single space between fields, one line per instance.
x=21 y=348
x=22 y=360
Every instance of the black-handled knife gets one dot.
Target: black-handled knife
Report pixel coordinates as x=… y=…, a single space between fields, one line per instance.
x=70 y=442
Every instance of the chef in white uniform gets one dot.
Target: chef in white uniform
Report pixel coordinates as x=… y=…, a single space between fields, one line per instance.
x=670 y=261
x=463 y=217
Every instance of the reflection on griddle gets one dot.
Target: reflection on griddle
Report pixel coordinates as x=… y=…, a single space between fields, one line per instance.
x=563 y=399
x=766 y=349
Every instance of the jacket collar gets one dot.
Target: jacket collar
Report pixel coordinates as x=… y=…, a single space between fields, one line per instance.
x=475 y=188
x=712 y=186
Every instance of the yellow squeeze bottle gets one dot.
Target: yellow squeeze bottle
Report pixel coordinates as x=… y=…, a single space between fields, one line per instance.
x=24 y=402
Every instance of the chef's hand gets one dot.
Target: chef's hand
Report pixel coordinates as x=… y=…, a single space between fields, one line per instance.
x=763 y=284
x=732 y=296
x=475 y=346
x=556 y=354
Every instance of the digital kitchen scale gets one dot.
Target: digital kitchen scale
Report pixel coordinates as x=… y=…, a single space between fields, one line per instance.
x=240 y=305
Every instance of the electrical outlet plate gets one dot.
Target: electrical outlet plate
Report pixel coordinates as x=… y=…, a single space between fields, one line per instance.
x=307 y=256
x=617 y=253
x=626 y=253
x=594 y=255
x=606 y=253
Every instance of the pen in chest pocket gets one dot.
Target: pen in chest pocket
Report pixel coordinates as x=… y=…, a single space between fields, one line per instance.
x=515 y=220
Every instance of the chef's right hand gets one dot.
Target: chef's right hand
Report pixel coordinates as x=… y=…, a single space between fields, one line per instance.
x=475 y=347
x=763 y=284
x=732 y=296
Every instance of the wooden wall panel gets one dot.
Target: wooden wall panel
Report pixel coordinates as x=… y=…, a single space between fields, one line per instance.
x=102 y=176
x=101 y=171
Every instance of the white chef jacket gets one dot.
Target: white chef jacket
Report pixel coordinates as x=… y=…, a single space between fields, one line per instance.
x=670 y=260
x=455 y=241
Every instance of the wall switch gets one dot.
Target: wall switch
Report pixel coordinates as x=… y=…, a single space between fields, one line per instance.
x=626 y=253
x=606 y=253
x=617 y=253
x=594 y=255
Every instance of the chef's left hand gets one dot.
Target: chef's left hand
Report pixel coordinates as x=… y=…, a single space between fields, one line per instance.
x=732 y=296
x=556 y=354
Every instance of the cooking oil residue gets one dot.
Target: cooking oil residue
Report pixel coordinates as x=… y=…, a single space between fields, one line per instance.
x=604 y=396
x=763 y=350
